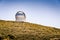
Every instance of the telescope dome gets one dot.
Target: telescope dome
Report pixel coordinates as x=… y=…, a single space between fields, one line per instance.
x=20 y=16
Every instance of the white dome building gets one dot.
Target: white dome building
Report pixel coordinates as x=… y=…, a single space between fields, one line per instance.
x=20 y=16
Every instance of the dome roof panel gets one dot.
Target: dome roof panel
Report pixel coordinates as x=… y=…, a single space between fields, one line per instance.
x=20 y=13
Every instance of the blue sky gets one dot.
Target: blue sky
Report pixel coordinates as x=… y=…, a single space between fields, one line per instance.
x=45 y=12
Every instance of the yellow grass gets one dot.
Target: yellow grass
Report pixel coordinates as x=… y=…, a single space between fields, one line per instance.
x=26 y=31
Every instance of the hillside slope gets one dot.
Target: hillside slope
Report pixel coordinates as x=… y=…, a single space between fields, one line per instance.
x=11 y=30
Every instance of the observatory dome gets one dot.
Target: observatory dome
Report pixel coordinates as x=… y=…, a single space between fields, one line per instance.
x=20 y=16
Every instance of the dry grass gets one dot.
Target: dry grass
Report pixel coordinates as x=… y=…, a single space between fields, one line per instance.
x=25 y=31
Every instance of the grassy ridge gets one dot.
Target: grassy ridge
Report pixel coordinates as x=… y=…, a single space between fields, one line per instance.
x=12 y=30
